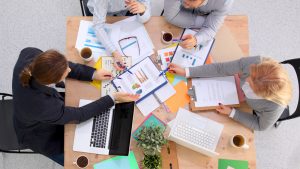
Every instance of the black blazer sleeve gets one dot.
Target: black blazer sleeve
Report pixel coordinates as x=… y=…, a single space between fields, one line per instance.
x=57 y=113
x=81 y=72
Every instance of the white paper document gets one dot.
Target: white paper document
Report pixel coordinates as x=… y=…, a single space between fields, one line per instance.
x=136 y=41
x=108 y=64
x=152 y=102
x=192 y=57
x=148 y=105
x=86 y=37
x=128 y=36
x=212 y=91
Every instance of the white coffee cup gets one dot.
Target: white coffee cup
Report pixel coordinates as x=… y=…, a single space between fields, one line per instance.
x=86 y=54
x=81 y=161
x=166 y=37
x=239 y=141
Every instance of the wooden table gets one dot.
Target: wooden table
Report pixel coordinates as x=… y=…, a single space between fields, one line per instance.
x=187 y=158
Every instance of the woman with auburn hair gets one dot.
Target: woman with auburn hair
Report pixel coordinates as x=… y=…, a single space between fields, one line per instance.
x=39 y=110
x=264 y=81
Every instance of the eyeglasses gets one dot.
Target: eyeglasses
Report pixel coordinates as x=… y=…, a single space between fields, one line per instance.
x=130 y=46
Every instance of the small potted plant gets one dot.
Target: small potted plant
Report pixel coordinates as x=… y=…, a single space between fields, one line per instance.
x=150 y=140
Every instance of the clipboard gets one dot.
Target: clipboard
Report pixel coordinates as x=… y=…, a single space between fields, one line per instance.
x=193 y=96
x=152 y=92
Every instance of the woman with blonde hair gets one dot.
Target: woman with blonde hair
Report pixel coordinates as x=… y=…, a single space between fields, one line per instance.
x=264 y=81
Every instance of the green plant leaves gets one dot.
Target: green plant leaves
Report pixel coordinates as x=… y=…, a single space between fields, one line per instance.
x=150 y=140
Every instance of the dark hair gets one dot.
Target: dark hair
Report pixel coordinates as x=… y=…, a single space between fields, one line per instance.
x=46 y=68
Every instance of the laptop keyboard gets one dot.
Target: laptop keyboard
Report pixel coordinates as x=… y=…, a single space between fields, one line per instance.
x=194 y=135
x=99 y=131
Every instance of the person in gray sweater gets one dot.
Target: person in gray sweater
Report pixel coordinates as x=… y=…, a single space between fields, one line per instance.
x=208 y=15
x=265 y=83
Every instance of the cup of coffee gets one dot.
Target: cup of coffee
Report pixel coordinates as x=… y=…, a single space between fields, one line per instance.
x=239 y=141
x=166 y=37
x=81 y=162
x=86 y=54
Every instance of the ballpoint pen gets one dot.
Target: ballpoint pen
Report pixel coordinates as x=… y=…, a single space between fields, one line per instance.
x=177 y=40
x=163 y=72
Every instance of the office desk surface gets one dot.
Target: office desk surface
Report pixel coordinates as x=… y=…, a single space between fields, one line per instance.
x=187 y=159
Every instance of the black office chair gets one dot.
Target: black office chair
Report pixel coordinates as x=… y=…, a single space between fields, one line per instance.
x=286 y=114
x=8 y=138
x=84 y=9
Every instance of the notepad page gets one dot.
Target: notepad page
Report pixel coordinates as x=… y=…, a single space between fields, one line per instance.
x=211 y=91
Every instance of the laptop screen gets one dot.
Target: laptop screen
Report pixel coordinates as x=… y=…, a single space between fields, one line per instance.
x=121 y=129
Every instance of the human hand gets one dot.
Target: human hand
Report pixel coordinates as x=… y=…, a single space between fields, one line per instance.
x=135 y=7
x=118 y=61
x=224 y=109
x=173 y=68
x=189 y=41
x=121 y=97
x=102 y=74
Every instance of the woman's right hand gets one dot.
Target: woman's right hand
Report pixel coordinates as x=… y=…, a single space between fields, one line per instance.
x=173 y=68
x=121 y=97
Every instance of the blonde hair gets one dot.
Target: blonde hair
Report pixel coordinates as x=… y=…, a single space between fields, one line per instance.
x=271 y=81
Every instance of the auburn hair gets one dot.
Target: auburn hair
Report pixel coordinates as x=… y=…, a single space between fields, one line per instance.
x=271 y=81
x=48 y=67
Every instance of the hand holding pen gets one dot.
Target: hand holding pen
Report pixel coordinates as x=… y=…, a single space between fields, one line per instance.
x=188 y=41
x=175 y=69
x=118 y=61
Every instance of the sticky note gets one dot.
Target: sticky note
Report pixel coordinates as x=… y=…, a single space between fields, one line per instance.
x=97 y=83
x=232 y=164
x=124 y=162
x=180 y=99
x=151 y=119
x=175 y=79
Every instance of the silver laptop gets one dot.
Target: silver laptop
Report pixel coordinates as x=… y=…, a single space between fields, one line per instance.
x=108 y=133
x=196 y=132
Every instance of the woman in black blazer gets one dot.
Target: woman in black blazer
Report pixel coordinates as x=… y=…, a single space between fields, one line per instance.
x=39 y=110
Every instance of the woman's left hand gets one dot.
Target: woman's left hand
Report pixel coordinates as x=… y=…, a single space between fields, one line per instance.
x=135 y=7
x=224 y=109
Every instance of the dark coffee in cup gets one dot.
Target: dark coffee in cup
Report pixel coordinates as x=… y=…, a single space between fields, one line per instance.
x=82 y=161
x=86 y=53
x=167 y=36
x=238 y=140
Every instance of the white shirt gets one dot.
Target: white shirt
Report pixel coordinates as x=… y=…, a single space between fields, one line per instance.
x=249 y=93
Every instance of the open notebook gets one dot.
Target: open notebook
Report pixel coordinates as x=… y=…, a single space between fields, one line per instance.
x=145 y=79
